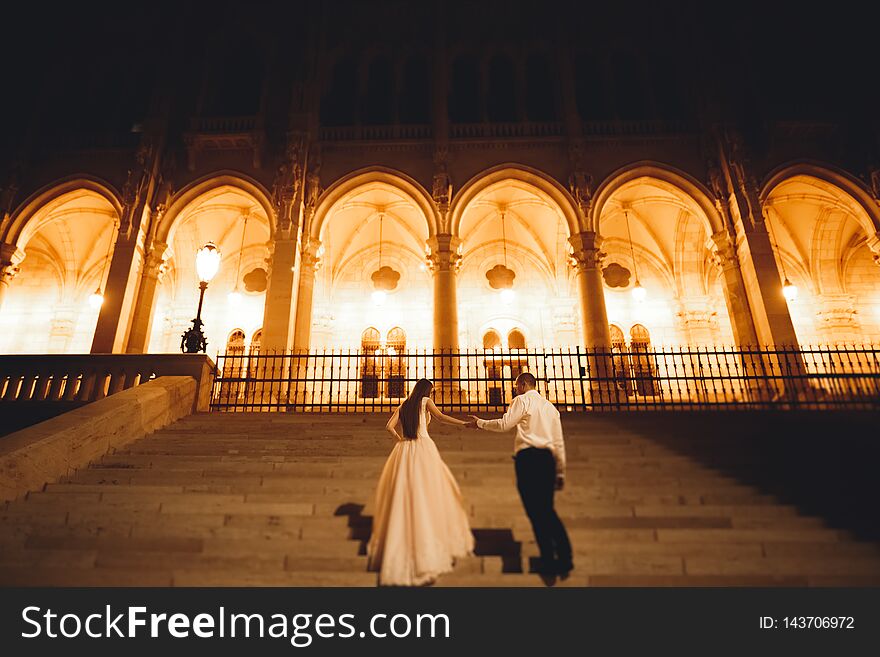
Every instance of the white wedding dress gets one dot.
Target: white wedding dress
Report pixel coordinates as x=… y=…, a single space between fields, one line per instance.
x=420 y=525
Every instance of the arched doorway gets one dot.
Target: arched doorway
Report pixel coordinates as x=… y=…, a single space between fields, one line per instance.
x=371 y=269
x=236 y=221
x=819 y=235
x=234 y=368
x=514 y=269
x=51 y=305
x=656 y=235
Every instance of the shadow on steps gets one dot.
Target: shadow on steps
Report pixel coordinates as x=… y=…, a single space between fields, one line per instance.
x=825 y=463
x=488 y=542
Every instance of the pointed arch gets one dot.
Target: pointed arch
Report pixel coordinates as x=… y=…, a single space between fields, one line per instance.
x=373 y=176
x=544 y=185
x=21 y=227
x=664 y=174
x=865 y=209
x=216 y=180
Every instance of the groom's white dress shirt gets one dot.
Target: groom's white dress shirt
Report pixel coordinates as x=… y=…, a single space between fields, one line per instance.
x=537 y=425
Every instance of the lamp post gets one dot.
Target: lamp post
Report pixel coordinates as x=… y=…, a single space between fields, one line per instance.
x=207 y=264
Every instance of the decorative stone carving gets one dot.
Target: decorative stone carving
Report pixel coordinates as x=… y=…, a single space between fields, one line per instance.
x=441 y=189
x=723 y=250
x=443 y=253
x=288 y=183
x=580 y=183
x=586 y=255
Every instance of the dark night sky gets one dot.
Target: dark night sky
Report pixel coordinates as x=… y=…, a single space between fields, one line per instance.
x=82 y=66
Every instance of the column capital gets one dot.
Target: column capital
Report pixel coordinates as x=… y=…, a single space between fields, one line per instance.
x=873 y=243
x=587 y=253
x=443 y=252
x=311 y=256
x=723 y=249
x=10 y=259
x=155 y=261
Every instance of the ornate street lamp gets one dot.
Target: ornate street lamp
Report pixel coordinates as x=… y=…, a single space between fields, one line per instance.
x=207 y=264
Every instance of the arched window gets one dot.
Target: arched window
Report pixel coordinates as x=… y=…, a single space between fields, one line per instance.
x=640 y=337
x=338 y=104
x=255 y=341
x=540 y=89
x=501 y=99
x=395 y=363
x=370 y=340
x=465 y=99
x=396 y=339
x=233 y=368
x=620 y=361
x=235 y=342
x=370 y=363
x=617 y=339
x=491 y=340
x=378 y=103
x=415 y=101
x=642 y=360
x=516 y=340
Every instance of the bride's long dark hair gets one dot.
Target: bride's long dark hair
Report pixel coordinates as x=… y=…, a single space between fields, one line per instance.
x=412 y=407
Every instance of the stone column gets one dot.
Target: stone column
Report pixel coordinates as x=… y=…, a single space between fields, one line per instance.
x=278 y=316
x=145 y=305
x=735 y=296
x=119 y=292
x=591 y=293
x=307 y=268
x=594 y=320
x=443 y=261
x=9 y=259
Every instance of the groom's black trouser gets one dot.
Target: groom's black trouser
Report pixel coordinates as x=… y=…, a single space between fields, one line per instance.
x=536 y=482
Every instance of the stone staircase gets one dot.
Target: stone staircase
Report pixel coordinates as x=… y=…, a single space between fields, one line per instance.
x=282 y=499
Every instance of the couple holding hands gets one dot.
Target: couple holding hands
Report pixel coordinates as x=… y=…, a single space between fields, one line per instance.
x=420 y=525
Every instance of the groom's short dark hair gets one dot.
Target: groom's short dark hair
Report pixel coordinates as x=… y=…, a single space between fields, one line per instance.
x=528 y=379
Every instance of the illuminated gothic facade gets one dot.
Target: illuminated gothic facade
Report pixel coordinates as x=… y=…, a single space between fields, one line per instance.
x=477 y=182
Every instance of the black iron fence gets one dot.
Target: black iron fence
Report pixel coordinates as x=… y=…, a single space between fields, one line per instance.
x=575 y=379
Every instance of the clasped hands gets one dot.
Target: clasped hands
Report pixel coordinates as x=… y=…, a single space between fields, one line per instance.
x=472 y=424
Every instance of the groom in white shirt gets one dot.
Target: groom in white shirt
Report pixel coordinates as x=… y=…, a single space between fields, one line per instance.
x=539 y=455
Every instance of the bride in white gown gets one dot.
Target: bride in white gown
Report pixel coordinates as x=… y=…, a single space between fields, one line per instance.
x=420 y=525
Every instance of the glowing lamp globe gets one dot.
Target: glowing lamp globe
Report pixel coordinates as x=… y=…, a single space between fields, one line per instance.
x=789 y=290
x=207 y=262
x=378 y=297
x=508 y=295
x=639 y=293
x=96 y=299
x=234 y=298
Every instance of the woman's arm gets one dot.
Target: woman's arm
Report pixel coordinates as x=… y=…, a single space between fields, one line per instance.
x=446 y=419
x=391 y=427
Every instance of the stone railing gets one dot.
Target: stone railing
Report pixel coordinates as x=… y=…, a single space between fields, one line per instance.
x=515 y=130
x=79 y=379
x=223 y=124
x=396 y=132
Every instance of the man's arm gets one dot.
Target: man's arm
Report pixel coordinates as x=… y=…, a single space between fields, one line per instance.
x=514 y=414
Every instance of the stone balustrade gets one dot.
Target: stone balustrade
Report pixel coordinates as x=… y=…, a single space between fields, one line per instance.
x=79 y=379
